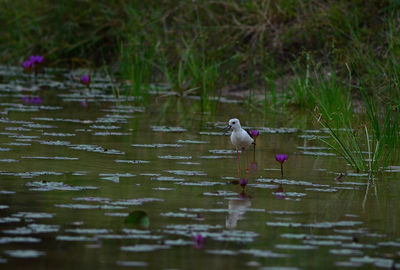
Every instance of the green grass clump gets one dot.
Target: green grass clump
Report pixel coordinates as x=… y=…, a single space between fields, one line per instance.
x=260 y=35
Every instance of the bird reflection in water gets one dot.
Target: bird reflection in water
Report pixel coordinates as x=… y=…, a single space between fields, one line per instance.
x=237 y=208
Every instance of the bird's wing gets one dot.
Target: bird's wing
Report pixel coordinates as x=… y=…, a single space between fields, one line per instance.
x=248 y=132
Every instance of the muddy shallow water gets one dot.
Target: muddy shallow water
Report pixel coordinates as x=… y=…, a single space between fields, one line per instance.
x=76 y=164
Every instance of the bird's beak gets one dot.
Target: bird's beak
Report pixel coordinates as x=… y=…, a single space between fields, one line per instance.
x=225 y=129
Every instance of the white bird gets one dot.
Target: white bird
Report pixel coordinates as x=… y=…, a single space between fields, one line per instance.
x=241 y=139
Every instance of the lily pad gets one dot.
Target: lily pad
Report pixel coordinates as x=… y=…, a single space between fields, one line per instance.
x=138 y=218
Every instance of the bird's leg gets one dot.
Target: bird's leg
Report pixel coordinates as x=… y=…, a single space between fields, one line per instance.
x=238 y=160
x=247 y=161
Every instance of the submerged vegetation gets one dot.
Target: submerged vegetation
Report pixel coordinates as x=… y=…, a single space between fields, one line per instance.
x=336 y=59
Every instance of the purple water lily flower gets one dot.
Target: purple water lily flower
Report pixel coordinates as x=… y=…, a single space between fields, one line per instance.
x=27 y=65
x=243 y=182
x=33 y=62
x=36 y=59
x=254 y=133
x=85 y=79
x=281 y=158
x=198 y=241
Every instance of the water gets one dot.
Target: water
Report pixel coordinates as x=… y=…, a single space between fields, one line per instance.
x=75 y=167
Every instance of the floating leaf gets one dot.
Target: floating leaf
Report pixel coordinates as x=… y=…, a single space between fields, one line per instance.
x=138 y=218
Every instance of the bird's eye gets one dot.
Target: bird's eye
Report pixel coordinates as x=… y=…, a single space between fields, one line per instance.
x=233 y=123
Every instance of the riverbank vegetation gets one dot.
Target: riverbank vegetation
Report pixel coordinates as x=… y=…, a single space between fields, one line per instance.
x=339 y=60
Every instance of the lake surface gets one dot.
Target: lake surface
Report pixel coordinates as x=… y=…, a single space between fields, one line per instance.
x=75 y=164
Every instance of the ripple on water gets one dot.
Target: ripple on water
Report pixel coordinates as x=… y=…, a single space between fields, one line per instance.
x=323 y=242
x=55 y=143
x=216 y=157
x=295 y=247
x=33 y=229
x=345 y=252
x=74 y=238
x=96 y=149
x=213 y=133
x=157 y=145
x=312 y=148
x=167 y=129
x=220 y=193
x=222 y=252
x=278 y=268
x=277 y=212
x=9 y=219
x=8 y=160
x=109 y=133
x=389 y=244
x=50 y=186
x=26 y=253
x=379 y=262
x=116 y=214
x=393 y=169
x=18 y=144
x=92 y=199
x=7 y=192
x=114 y=177
x=322 y=189
x=290 y=194
x=30 y=174
x=144 y=248
x=222 y=151
x=265 y=186
x=320 y=225
x=59 y=134
x=263 y=253
x=167 y=179
x=188 y=163
x=19 y=239
x=289 y=182
x=131 y=263
x=163 y=188
x=132 y=202
x=221 y=210
x=88 y=231
x=187 y=173
x=201 y=183
x=175 y=157
x=178 y=242
x=33 y=215
x=192 y=142
x=104 y=127
x=224 y=235
x=178 y=215
x=88 y=206
x=318 y=154
x=131 y=161
x=50 y=158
